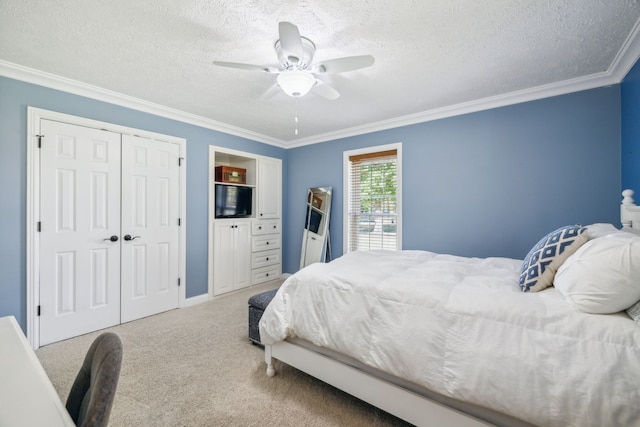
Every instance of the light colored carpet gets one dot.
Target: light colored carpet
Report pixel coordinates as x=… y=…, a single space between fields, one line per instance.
x=196 y=367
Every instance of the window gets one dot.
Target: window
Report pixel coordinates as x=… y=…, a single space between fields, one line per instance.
x=372 y=198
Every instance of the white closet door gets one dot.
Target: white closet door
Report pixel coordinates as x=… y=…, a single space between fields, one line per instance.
x=80 y=212
x=150 y=210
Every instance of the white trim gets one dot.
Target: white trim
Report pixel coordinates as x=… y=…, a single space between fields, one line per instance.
x=198 y=299
x=41 y=78
x=345 y=189
x=33 y=215
x=625 y=59
x=627 y=55
x=34 y=116
x=182 y=237
x=210 y=214
x=512 y=98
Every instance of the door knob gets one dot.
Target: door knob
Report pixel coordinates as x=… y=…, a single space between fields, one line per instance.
x=113 y=238
x=128 y=237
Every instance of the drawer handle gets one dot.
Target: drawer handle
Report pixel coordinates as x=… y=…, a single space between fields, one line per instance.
x=267 y=243
x=260 y=228
x=267 y=259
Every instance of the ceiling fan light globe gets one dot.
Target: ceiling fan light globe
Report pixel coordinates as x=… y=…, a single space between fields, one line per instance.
x=296 y=83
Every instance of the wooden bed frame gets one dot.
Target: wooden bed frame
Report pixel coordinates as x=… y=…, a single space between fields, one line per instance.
x=396 y=400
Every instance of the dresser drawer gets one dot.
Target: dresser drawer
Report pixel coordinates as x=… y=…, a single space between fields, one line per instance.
x=266 y=242
x=265 y=274
x=265 y=258
x=265 y=227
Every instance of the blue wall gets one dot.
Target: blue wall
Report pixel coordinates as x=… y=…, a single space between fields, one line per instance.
x=630 y=95
x=15 y=96
x=484 y=184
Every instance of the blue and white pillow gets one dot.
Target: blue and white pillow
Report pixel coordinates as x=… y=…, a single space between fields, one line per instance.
x=542 y=261
x=634 y=312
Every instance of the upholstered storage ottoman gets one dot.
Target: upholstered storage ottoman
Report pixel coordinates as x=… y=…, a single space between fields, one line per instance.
x=257 y=304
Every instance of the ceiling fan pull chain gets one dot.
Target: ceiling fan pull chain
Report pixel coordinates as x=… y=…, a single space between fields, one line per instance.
x=295 y=118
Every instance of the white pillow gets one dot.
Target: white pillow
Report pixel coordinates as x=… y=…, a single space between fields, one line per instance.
x=600 y=229
x=631 y=230
x=602 y=276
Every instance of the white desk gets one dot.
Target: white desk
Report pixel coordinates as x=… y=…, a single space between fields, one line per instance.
x=27 y=397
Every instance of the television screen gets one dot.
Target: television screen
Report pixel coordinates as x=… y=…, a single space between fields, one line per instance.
x=233 y=201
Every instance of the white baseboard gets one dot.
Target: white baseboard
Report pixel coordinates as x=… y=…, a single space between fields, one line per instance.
x=198 y=299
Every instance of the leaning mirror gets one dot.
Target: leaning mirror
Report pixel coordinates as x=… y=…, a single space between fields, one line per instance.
x=315 y=239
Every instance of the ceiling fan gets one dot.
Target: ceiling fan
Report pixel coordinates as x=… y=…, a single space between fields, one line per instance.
x=296 y=72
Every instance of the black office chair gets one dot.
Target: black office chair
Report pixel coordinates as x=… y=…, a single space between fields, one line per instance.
x=91 y=396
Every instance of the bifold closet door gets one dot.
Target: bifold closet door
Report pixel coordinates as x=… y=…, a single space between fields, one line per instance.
x=80 y=230
x=150 y=230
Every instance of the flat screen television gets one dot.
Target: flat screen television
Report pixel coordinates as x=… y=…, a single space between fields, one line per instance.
x=233 y=201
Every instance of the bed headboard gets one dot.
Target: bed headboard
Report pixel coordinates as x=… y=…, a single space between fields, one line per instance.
x=629 y=211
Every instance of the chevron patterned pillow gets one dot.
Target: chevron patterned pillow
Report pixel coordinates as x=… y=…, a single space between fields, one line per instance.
x=634 y=312
x=543 y=260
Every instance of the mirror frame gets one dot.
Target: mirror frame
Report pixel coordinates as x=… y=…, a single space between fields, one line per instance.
x=315 y=236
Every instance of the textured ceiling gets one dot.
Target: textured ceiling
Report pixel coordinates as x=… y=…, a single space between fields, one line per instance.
x=430 y=55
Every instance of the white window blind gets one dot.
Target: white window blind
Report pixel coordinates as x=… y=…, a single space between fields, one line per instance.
x=373 y=201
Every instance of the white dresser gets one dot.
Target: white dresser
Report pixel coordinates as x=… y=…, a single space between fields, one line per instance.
x=265 y=251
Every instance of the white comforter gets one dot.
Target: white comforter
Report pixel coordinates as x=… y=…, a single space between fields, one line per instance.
x=461 y=326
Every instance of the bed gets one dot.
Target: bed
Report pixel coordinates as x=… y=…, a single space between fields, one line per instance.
x=437 y=339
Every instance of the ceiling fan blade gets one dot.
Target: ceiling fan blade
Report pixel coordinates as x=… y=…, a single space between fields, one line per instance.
x=341 y=65
x=325 y=91
x=248 y=67
x=290 y=42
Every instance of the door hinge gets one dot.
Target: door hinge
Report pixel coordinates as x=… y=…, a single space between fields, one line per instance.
x=39 y=140
x=39 y=225
x=178 y=282
x=38 y=310
x=180 y=159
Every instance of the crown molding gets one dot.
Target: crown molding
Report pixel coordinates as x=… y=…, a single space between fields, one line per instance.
x=511 y=98
x=52 y=81
x=627 y=55
x=625 y=59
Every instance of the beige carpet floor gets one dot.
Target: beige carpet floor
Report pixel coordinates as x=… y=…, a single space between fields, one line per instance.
x=196 y=367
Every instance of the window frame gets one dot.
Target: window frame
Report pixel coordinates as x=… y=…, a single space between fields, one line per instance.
x=346 y=228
